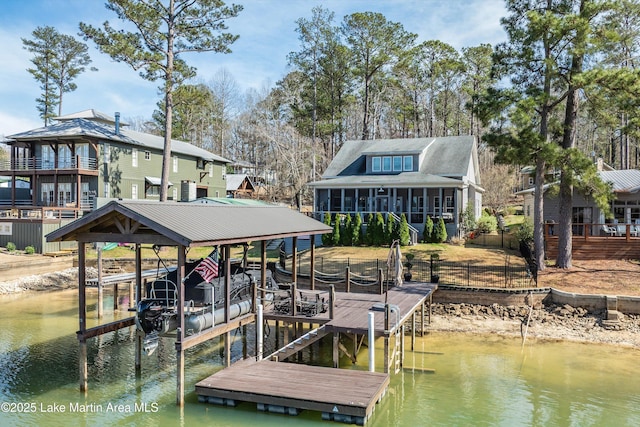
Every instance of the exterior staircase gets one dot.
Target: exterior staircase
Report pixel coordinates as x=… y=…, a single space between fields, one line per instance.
x=299 y=344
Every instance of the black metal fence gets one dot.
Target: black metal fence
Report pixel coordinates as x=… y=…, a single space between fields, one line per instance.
x=508 y=275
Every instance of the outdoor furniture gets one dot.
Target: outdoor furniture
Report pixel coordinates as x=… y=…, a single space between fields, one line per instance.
x=611 y=231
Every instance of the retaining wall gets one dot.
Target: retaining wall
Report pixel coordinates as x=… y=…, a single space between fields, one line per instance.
x=524 y=297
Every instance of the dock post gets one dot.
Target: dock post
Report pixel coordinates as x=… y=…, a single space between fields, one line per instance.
x=82 y=317
x=347 y=280
x=100 y=289
x=180 y=329
x=372 y=346
x=332 y=298
x=336 y=349
x=386 y=339
x=312 y=264
x=259 y=333
x=413 y=330
x=138 y=297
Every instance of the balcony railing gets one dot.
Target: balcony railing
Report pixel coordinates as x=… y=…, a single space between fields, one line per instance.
x=33 y=164
x=38 y=213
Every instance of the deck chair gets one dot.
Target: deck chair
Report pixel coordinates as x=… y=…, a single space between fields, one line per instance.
x=611 y=231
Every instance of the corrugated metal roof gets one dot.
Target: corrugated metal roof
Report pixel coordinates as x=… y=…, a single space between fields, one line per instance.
x=234 y=180
x=622 y=181
x=188 y=224
x=80 y=127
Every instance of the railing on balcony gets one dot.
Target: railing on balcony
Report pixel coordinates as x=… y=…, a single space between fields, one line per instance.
x=38 y=213
x=613 y=231
x=33 y=163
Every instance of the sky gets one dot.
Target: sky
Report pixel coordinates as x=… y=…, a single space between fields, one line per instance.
x=258 y=59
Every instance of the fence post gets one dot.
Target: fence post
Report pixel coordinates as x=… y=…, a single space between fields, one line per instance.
x=347 y=278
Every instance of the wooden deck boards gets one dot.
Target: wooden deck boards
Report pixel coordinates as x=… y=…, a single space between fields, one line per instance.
x=340 y=394
x=339 y=391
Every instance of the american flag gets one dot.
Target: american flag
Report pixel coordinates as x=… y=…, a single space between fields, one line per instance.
x=208 y=267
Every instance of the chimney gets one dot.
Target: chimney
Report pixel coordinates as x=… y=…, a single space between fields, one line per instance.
x=117 y=114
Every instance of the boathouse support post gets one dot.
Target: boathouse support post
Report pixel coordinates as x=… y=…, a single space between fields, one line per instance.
x=336 y=350
x=294 y=261
x=263 y=270
x=180 y=329
x=138 y=297
x=372 y=346
x=259 y=333
x=227 y=304
x=100 y=287
x=312 y=263
x=386 y=339
x=413 y=330
x=332 y=298
x=82 y=316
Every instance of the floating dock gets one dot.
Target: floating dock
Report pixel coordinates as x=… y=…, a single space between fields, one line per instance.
x=342 y=395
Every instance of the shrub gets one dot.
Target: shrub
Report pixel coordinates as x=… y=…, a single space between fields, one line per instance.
x=403 y=232
x=11 y=246
x=356 y=231
x=427 y=234
x=29 y=250
x=469 y=219
x=346 y=232
x=378 y=230
x=487 y=224
x=440 y=232
x=388 y=231
x=335 y=236
x=368 y=237
x=524 y=233
x=326 y=238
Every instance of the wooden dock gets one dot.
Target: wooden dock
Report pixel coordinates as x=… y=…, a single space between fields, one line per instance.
x=347 y=396
x=339 y=394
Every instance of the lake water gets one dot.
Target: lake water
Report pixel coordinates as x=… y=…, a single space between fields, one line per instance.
x=478 y=380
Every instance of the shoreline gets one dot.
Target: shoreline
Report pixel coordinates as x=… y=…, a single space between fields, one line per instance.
x=551 y=322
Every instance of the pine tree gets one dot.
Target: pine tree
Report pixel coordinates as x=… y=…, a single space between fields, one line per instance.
x=389 y=227
x=369 y=234
x=403 y=233
x=378 y=230
x=327 y=237
x=335 y=236
x=427 y=234
x=356 y=232
x=440 y=232
x=346 y=232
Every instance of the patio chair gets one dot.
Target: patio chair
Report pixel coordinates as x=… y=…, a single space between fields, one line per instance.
x=610 y=230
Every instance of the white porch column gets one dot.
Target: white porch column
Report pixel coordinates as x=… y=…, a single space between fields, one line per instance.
x=342 y=200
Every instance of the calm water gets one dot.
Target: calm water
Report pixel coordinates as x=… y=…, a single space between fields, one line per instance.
x=478 y=380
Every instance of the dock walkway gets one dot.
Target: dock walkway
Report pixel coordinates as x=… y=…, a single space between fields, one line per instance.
x=343 y=395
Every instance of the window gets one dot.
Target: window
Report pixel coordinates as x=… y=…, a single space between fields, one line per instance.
x=147 y=155
x=64 y=157
x=134 y=191
x=407 y=163
x=64 y=193
x=134 y=158
x=531 y=180
x=48 y=157
x=47 y=193
x=386 y=164
x=436 y=205
x=376 y=164
x=397 y=163
x=175 y=193
x=448 y=203
x=107 y=190
x=175 y=164
x=211 y=170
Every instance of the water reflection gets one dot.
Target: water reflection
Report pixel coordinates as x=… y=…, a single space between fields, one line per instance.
x=457 y=380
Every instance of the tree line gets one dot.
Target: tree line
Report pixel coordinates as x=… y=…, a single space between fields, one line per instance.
x=562 y=91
